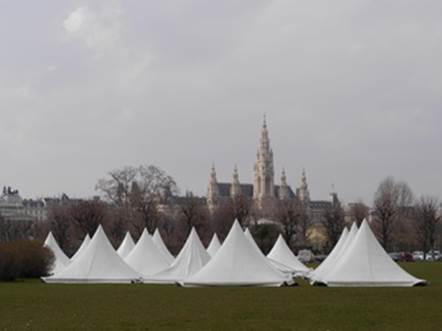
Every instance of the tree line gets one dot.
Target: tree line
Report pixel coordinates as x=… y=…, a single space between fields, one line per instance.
x=134 y=198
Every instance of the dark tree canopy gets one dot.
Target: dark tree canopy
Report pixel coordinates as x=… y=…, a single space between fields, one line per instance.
x=391 y=200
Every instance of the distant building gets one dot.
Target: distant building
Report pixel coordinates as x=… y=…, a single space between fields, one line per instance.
x=263 y=190
x=14 y=208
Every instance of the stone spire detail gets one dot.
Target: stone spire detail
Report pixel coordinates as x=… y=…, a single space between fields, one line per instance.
x=264 y=185
x=284 y=188
x=235 y=188
x=304 y=194
x=213 y=190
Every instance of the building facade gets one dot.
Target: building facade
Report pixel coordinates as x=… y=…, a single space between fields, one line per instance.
x=264 y=191
x=14 y=208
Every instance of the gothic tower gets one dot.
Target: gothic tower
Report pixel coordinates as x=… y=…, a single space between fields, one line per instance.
x=304 y=194
x=264 y=185
x=212 y=191
x=235 y=188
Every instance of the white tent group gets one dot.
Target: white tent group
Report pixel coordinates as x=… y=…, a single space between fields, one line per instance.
x=356 y=260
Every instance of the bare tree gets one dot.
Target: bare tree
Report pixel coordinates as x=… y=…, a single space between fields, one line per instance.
x=116 y=187
x=193 y=212
x=59 y=223
x=87 y=215
x=391 y=200
x=141 y=189
x=241 y=208
x=426 y=222
x=293 y=216
x=333 y=221
x=222 y=219
x=358 y=212
x=11 y=230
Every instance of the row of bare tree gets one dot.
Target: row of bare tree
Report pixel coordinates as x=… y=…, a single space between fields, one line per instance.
x=135 y=198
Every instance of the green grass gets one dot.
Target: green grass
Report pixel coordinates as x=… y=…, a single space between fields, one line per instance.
x=31 y=305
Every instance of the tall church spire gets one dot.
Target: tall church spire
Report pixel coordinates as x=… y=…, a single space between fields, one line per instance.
x=264 y=186
x=304 y=194
x=213 y=190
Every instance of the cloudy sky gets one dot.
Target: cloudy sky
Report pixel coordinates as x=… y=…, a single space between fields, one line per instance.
x=352 y=90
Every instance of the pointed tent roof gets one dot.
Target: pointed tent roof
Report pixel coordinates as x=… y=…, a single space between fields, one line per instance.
x=214 y=245
x=249 y=236
x=351 y=236
x=238 y=263
x=191 y=259
x=367 y=264
x=146 y=258
x=318 y=276
x=99 y=263
x=282 y=253
x=82 y=247
x=329 y=262
x=126 y=245
x=158 y=240
x=61 y=260
x=275 y=264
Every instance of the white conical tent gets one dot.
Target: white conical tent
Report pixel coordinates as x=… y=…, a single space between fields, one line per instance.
x=278 y=266
x=331 y=259
x=82 y=247
x=249 y=236
x=98 y=263
x=126 y=245
x=191 y=259
x=60 y=258
x=281 y=253
x=238 y=263
x=366 y=264
x=158 y=241
x=214 y=245
x=146 y=258
x=351 y=236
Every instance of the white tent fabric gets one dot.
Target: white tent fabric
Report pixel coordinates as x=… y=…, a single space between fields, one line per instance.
x=126 y=246
x=330 y=261
x=158 y=240
x=317 y=278
x=146 y=258
x=249 y=236
x=351 y=236
x=191 y=259
x=82 y=247
x=214 y=245
x=281 y=253
x=275 y=264
x=238 y=263
x=366 y=264
x=60 y=258
x=98 y=263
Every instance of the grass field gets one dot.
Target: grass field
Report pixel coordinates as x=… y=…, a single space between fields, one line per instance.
x=31 y=305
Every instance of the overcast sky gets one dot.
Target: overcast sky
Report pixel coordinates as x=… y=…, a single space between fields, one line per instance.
x=352 y=90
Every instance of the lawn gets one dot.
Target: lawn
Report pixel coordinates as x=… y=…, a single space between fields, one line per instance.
x=31 y=305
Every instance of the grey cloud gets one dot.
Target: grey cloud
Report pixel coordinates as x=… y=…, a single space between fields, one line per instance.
x=352 y=91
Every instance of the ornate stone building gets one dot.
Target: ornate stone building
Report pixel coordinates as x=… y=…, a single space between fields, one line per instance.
x=14 y=208
x=264 y=191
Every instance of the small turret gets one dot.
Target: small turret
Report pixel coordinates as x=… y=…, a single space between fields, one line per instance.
x=283 y=189
x=213 y=190
x=304 y=194
x=235 y=188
